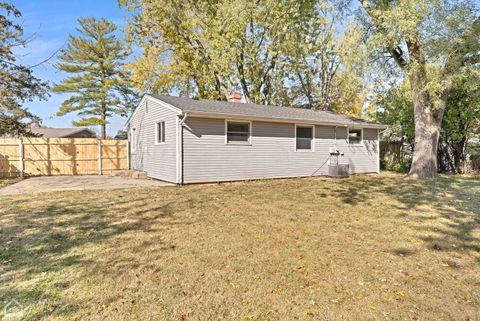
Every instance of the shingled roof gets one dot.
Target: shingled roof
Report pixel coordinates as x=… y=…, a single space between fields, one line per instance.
x=48 y=132
x=267 y=112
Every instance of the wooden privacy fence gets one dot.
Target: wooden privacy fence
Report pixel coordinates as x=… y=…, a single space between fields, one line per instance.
x=61 y=156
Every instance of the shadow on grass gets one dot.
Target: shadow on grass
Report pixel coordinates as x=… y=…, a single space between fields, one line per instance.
x=37 y=245
x=456 y=199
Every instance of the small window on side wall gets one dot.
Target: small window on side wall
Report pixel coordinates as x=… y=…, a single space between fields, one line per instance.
x=238 y=132
x=355 y=136
x=304 y=138
x=160 y=133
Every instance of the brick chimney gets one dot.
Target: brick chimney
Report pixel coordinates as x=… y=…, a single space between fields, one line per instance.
x=235 y=97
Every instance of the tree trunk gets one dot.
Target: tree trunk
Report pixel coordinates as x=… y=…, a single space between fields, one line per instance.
x=104 y=122
x=424 y=162
x=459 y=155
x=428 y=120
x=445 y=162
x=442 y=157
x=104 y=131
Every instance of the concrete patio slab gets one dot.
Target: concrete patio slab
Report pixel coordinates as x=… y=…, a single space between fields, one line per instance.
x=63 y=183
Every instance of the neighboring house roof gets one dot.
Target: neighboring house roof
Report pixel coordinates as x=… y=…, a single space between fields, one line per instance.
x=46 y=132
x=200 y=107
x=121 y=136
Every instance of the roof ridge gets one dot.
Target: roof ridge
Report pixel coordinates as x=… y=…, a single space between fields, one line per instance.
x=61 y=128
x=243 y=104
x=218 y=107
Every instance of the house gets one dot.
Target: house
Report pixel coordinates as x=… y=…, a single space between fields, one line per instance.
x=183 y=140
x=48 y=132
x=121 y=136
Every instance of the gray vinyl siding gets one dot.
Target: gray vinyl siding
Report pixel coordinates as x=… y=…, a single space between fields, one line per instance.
x=158 y=160
x=207 y=158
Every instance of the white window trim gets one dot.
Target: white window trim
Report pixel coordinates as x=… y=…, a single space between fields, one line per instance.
x=361 y=137
x=313 y=139
x=249 y=132
x=133 y=138
x=156 y=132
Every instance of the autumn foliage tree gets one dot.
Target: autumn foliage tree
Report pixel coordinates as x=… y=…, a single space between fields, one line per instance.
x=276 y=52
x=208 y=48
x=330 y=77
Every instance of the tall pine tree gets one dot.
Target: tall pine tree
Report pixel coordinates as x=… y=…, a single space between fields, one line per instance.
x=99 y=86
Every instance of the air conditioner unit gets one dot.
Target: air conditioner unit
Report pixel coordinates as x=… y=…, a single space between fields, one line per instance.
x=339 y=171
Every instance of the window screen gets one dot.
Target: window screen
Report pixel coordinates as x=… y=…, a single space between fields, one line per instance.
x=238 y=132
x=160 y=132
x=354 y=136
x=304 y=137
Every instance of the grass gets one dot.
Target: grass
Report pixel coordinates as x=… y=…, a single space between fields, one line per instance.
x=365 y=248
x=8 y=181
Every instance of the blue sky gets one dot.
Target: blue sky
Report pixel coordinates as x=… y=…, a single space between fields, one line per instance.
x=50 y=22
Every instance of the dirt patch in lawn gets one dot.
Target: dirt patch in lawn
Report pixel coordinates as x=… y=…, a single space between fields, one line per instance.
x=363 y=248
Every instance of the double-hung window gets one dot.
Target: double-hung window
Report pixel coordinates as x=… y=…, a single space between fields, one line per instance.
x=160 y=133
x=238 y=132
x=355 y=136
x=304 y=137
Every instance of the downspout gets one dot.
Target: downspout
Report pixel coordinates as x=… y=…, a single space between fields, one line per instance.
x=180 y=148
x=335 y=142
x=183 y=119
x=378 y=151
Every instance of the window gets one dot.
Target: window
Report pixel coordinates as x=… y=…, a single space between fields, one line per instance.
x=160 y=133
x=133 y=138
x=355 y=136
x=304 y=137
x=238 y=132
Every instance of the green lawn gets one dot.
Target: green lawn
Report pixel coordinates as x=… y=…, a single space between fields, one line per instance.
x=365 y=248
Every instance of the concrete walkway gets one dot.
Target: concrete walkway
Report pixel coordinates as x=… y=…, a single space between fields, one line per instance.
x=63 y=183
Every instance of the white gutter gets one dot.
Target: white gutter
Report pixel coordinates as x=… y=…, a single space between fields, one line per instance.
x=179 y=151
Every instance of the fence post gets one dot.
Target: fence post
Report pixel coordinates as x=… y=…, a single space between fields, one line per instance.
x=128 y=154
x=20 y=158
x=99 y=157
